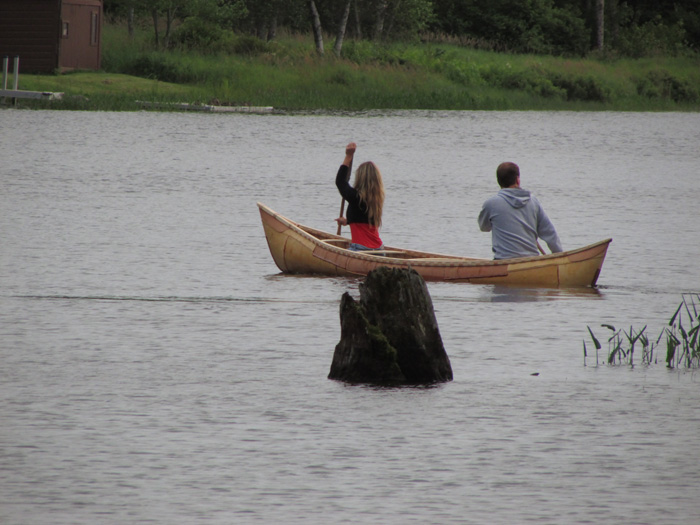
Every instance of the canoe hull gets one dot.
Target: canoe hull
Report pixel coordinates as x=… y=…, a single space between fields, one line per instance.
x=299 y=249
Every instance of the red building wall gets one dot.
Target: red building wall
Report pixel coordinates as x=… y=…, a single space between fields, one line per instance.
x=81 y=24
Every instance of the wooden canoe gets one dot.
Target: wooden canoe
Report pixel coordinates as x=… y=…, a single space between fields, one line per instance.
x=300 y=249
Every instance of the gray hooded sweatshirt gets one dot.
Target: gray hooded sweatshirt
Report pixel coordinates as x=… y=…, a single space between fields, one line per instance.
x=516 y=219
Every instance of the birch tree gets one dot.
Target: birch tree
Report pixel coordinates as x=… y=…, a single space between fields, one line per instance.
x=157 y=7
x=341 y=28
x=316 y=25
x=264 y=16
x=600 y=24
x=379 y=20
x=402 y=19
x=358 y=25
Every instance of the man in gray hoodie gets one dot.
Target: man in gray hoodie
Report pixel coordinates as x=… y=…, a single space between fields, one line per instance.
x=515 y=218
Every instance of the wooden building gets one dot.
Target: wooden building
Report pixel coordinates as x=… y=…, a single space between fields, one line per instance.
x=51 y=35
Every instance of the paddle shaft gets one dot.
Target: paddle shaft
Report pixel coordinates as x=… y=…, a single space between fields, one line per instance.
x=342 y=200
x=342 y=210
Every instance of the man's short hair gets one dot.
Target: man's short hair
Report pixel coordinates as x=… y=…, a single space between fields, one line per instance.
x=507 y=173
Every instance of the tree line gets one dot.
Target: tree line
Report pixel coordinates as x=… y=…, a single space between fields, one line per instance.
x=559 y=27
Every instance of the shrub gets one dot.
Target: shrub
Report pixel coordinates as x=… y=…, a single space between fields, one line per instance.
x=366 y=52
x=584 y=88
x=659 y=83
x=195 y=33
x=250 y=46
x=341 y=77
x=163 y=67
x=154 y=65
x=464 y=73
x=653 y=38
x=532 y=80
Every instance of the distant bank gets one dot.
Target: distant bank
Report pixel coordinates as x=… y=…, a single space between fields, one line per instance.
x=287 y=75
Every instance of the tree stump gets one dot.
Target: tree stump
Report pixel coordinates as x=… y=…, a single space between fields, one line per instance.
x=391 y=336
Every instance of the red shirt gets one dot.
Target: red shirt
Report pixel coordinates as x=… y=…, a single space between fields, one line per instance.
x=365 y=235
x=362 y=233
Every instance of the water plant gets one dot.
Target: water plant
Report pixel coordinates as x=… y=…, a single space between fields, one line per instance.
x=682 y=342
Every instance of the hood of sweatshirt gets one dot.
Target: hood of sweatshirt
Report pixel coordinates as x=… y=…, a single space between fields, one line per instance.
x=516 y=197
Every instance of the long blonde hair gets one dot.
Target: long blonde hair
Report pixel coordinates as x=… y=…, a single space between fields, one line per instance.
x=369 y=185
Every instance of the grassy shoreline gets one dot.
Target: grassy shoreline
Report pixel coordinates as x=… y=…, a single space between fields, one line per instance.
x=289 y=76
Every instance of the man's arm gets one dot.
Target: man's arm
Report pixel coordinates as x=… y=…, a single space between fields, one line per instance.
x=547 y=232
x=484 y=220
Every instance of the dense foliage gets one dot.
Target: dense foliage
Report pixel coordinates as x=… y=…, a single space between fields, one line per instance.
x=633 y=28
x=288 y=75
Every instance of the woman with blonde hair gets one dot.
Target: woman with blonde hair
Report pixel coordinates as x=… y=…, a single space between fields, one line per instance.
x=365 y=202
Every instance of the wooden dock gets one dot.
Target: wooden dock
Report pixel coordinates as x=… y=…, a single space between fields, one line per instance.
x=182 y=106
x=16 y=93
x=19 y=93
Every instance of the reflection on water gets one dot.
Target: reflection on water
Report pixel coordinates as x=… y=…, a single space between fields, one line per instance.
x=487 y=293
x=170 y=299
x=513 y=294
x=156 y=367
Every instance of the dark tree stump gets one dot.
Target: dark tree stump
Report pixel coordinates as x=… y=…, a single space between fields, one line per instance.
x=391 y=336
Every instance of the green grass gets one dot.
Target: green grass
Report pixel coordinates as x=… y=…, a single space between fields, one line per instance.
x=288 y=75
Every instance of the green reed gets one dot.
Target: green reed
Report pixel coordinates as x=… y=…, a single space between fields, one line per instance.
x=682 y=340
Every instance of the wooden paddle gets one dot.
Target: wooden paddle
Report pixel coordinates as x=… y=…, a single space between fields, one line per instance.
x=342 y=200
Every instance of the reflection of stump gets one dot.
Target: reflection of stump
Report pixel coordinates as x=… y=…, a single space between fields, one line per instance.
x=391 y=336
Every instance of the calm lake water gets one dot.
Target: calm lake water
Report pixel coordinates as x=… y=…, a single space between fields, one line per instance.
x=156 y=367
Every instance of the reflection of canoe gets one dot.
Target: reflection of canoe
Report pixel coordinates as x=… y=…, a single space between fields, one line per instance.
x=299 y=249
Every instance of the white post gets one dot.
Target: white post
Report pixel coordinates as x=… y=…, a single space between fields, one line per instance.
x=5 y=62
x=16 y=72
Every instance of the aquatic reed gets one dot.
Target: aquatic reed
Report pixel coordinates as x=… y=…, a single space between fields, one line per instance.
x=682 y=341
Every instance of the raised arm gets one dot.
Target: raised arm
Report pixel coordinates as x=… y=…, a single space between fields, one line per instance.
x=349 y=154
x=342 y=178
x=342 y=182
